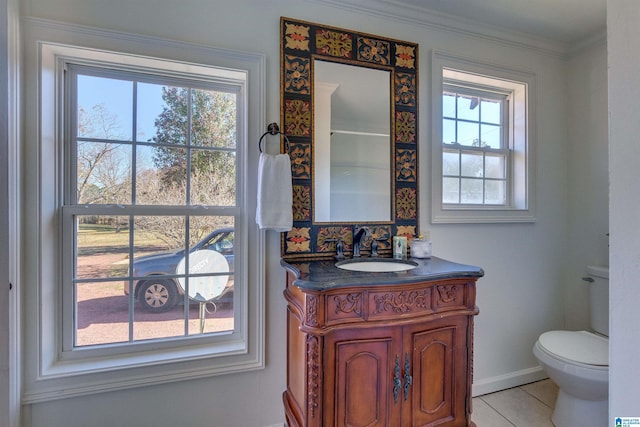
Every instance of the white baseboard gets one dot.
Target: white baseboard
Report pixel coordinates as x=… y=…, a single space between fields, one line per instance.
x=512 y=379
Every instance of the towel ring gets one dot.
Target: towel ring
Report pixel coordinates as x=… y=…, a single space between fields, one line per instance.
x=273 y=129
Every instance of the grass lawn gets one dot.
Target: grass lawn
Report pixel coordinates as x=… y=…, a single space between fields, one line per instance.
x=100 y=238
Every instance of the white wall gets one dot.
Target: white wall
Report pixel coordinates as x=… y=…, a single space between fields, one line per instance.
x=623 y=34
x=9 y=69
x=522 y=293
x=588 y=222
x=4 y=216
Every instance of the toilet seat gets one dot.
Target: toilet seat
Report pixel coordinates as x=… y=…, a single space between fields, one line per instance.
x=581 y=347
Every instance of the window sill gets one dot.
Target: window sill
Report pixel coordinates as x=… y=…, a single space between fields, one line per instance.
x=65 y=379
x=473 y=215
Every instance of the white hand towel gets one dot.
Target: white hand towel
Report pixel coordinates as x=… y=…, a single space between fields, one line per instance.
x=275 y=198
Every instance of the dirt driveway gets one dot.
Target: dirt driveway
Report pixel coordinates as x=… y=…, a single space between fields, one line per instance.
x=102 y=311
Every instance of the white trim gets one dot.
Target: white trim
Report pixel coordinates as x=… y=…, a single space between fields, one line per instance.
x=522 y=210
x=13 y=210
x=47 y=376
x=510 y=380
x=421 y=16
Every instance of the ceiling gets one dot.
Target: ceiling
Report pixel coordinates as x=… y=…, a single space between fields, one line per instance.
x=565 y=21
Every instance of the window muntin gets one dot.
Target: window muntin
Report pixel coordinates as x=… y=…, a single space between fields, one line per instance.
x=475 y=149
x=152 y=172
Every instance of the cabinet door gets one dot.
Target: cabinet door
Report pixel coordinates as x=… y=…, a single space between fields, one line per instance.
x=359 y=388
x=436 y=359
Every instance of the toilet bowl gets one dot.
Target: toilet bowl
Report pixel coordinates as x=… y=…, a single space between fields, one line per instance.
x=578 y=362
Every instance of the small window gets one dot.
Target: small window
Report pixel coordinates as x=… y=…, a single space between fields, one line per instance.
x=475 y=151
x=481 y=143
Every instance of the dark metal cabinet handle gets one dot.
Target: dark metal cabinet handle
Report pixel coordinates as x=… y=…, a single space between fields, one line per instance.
x=397 y=383
x=408 y=379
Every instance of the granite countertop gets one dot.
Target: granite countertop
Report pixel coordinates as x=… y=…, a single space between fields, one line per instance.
x=324 y=275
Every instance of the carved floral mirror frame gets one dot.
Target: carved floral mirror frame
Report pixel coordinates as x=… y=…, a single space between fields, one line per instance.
x=301 y=43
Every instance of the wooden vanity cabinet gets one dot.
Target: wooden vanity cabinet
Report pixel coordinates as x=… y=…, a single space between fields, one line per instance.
x=390 y=355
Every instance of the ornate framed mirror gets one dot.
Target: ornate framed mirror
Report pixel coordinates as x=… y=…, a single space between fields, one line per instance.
x=349 y=106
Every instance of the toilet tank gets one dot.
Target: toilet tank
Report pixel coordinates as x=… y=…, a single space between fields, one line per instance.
x=598 y=278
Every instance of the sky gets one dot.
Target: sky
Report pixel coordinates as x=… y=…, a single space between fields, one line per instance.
x=117 y=98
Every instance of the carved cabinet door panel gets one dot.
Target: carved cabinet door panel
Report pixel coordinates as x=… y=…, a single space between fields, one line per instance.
x=360 y=387
x=436 y=360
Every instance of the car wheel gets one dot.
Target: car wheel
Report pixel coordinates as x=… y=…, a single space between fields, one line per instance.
x=158 y=295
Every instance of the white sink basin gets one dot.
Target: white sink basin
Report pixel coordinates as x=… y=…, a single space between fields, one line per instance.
x=376 y=265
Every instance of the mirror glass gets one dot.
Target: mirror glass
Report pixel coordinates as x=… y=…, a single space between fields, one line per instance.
x=352 y=140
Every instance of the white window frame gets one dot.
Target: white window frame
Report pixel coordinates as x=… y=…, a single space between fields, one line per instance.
x=49 y=372
x=521 y=87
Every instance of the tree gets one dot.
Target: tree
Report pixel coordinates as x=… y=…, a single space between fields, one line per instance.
x=211 y=124
x=103 y=169
x=211 y=130
x=205 y=187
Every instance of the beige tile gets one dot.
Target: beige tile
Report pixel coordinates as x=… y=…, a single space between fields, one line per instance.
x=545 y=391
x=520 y=408
x=485 y=416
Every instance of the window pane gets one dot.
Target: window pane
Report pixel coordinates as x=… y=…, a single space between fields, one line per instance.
x=491 y=136
x=448 y=131
x=102 y=247
x=172 y=123
x=495 y=192
x=471 y=164
x=104 y=108
x=449 y=105
x=491 y=111
x=152 y=112
x=214 y=119
x=162 y=180
x=471 y=191
x=450 y=190
x=468 y=107
x=451 y=163
x=495 y=166
x=468 y=134
x=213 y=178
x=103 y=173
x=102 y=312
x=153 y=235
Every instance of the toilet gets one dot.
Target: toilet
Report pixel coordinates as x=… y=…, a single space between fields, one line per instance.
x=578 y=361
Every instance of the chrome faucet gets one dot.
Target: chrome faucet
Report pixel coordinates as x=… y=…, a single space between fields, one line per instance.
x=358 y=234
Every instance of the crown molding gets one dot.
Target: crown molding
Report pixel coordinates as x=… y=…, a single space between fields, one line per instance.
x=397 y=11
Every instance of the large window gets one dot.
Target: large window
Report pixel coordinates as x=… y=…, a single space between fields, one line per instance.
x=150 y=207
x=147 y=265
x=482 y=142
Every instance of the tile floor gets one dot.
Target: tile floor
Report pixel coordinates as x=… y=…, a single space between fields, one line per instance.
x=529 y=405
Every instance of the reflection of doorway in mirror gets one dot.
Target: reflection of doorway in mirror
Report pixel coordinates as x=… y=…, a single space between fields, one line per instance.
x=352 y=140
